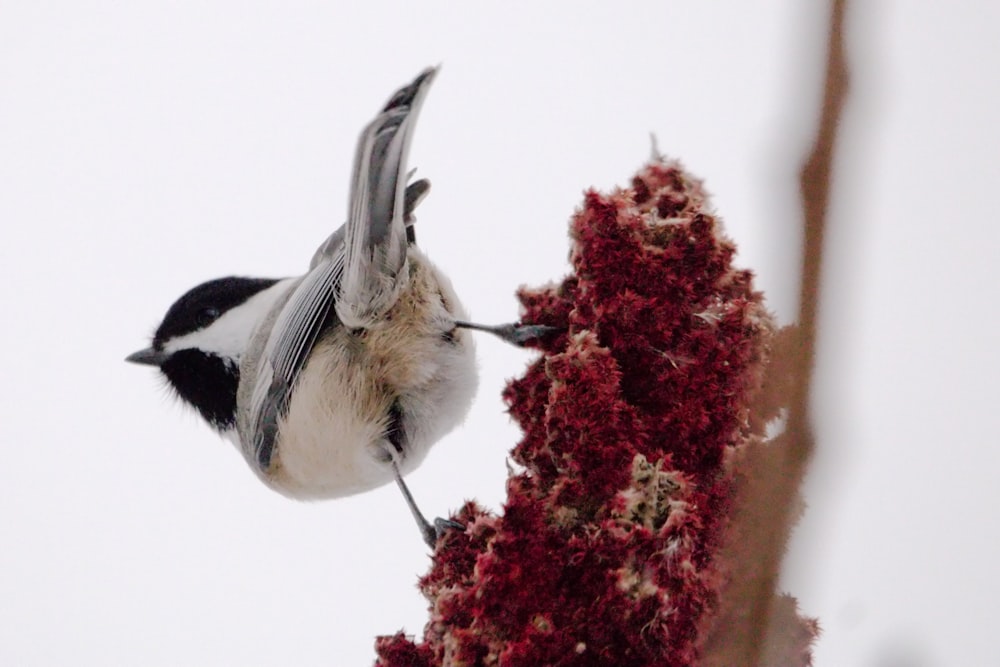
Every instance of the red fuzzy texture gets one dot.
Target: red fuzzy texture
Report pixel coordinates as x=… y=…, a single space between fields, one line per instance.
x=634 y=417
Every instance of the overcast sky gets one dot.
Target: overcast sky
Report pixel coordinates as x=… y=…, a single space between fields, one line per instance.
x=146 y=147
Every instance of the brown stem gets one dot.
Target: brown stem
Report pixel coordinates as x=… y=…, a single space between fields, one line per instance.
x=770 y=502
x=790 y=467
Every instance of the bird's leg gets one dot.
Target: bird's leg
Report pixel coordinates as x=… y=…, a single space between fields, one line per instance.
x=515 y=334
x=431 y=532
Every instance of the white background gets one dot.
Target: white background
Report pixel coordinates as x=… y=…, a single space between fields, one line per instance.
x=146 y=147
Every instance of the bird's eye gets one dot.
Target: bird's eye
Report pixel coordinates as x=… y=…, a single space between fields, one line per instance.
x=207 y=315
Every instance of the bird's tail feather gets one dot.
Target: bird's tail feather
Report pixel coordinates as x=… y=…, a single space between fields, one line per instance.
x=375 y=267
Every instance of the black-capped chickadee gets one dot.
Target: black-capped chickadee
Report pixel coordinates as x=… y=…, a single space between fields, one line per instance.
x=338 y=381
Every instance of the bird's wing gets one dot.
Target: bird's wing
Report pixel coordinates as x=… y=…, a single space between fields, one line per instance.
x=356 y=274
x=293 y=336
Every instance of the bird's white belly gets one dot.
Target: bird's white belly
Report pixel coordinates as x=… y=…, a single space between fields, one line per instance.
x=328 y=448
x=332 y=441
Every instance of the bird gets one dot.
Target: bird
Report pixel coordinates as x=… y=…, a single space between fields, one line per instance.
x=341 y=380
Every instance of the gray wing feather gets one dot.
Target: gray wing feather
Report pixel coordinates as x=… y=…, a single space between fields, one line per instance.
x=357 y=270
x=292 y=338
x=333 y=244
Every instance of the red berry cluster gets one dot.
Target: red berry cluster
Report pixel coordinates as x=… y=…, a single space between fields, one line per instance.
x=607 y=552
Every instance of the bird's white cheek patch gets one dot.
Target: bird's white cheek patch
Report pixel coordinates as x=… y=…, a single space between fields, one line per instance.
x=229 y=335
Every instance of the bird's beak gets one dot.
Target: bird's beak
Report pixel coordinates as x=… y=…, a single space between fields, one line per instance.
x=148 y=357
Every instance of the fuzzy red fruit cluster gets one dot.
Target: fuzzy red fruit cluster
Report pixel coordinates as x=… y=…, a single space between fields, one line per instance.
x=608 y=548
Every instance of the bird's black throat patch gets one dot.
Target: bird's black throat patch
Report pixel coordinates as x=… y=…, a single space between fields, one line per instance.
x=206 y=381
